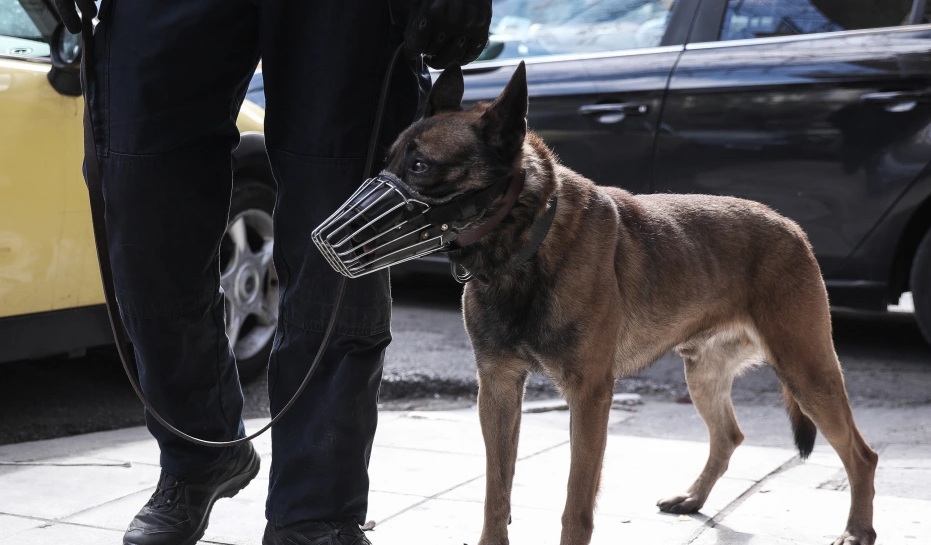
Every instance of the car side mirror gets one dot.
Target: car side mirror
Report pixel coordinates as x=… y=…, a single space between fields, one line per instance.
x=66 y=49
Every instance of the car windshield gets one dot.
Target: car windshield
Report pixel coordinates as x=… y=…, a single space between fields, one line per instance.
x=19 y=35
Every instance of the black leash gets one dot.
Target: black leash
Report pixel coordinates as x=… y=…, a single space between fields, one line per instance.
x=95 y=190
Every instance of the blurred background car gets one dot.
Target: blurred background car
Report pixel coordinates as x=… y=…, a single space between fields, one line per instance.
x=51 y=300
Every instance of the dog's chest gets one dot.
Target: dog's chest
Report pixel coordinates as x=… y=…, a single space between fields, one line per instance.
x=521 y=319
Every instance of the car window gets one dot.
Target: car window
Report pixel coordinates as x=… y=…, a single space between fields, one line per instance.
x=745 y=19
x=19 y=35
x=532 y=28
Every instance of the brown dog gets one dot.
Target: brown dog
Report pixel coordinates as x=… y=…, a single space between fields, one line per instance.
x=606 y=283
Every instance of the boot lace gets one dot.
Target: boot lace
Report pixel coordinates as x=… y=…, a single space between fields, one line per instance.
x=166 y=492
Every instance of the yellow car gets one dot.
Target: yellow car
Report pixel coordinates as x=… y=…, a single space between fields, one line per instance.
x=51 y=300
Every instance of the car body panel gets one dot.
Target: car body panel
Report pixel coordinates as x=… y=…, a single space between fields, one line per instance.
x=45 y=233
x=773 y=123
x=596 y=77
x=47 y=251
x=877 y=272
x=636 y=80
x=614 y=147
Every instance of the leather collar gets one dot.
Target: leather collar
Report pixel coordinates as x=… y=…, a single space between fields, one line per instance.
x=540 y=229
x=510 y=198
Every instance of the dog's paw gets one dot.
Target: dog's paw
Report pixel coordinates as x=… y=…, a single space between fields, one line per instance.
x=867 y=537
x=681 y=504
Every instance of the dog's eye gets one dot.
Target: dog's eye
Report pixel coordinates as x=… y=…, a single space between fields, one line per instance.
x=419 y=166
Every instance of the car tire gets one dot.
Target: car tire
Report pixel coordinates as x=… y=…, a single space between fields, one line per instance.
x=248 y=277
x=921 y=286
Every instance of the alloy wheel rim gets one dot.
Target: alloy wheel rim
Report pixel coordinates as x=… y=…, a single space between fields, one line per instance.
x=249 y=282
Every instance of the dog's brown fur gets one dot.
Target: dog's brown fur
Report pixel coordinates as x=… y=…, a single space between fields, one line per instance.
x=618 y=281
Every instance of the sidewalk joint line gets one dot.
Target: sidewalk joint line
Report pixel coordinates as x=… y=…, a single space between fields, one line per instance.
x=463 y=483
x=66 y=464
x=712 y=522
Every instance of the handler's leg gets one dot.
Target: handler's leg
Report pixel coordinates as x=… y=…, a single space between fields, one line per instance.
x=324 y=64
x=166 y=86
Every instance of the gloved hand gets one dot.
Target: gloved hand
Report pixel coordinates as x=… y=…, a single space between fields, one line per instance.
x=69 y=13
x=448 y=32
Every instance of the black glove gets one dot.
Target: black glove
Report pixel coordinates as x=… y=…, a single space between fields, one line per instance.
x=448 y=32
x=69 y=13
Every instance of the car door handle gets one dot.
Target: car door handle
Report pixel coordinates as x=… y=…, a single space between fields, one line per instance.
x=897 y=101
x=615 y=112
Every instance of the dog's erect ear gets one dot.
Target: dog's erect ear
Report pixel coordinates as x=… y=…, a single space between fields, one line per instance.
x=446 y=93
x=505 y=121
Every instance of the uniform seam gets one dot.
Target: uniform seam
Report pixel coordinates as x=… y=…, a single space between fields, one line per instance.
x=133 y=311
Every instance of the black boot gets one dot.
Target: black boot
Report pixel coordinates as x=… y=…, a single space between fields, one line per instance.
x=177 y=512
x=316 y=533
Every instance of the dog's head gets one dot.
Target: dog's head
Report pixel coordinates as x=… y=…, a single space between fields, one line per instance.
x=450 y=179
x=451 y=151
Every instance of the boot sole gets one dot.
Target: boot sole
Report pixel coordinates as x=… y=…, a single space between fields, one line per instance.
x=233 y=487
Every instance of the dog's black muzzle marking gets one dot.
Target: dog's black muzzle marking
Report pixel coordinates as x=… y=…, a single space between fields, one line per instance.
x=386 y=222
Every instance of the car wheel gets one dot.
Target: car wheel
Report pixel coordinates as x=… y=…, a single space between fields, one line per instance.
x=248 y=277
x=921 y=286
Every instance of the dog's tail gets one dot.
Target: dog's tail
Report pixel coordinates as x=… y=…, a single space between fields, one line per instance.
x=803 y=428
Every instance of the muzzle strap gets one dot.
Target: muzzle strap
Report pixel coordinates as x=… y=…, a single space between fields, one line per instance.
x=510 y=198
x=459 y=209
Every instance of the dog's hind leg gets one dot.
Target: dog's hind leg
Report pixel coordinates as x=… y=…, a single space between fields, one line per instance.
x=589 y=400
x=799 y=346
x=710 y=368
x=500 y=393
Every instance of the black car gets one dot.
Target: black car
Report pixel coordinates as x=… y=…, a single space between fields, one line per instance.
x=820 y=109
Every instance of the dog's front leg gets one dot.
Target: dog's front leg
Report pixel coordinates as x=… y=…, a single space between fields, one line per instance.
x=589 y=409
x=500 y=393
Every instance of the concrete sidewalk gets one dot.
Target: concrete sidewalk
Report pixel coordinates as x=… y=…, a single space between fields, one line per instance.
x=428 y=486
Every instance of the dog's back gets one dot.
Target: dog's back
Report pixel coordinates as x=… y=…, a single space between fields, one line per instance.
x=710 y=261
x=662 y=269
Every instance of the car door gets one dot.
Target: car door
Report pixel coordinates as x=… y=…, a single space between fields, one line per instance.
x=596 y=75
x=46 y=242
x=819 y=108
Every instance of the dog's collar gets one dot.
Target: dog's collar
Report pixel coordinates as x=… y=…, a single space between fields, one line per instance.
x=510 y=198
x=539 y=230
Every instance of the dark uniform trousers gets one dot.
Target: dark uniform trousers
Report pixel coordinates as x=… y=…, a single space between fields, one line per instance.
x=169 y=77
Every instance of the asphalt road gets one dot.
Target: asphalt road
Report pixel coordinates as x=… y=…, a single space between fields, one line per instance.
x=429 y=364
